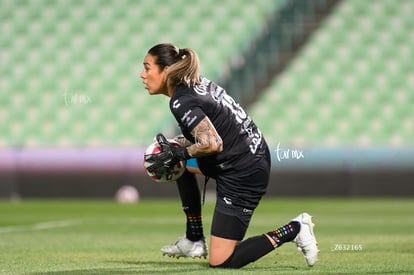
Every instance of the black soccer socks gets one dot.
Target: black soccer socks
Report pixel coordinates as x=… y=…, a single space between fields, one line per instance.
x=285 y=233
x=248 y=251
x=191 y=202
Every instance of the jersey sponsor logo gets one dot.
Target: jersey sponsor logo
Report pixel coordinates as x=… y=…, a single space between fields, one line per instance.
x=245 y=210
x=191 y=121
x=227 y=201
x=202 y=88
x=187 y=119
x=176 y=104
x=186 y=114
x=256 y=141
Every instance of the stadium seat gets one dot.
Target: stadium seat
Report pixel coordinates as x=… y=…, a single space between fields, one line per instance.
x=351 y=84
x=95 y=49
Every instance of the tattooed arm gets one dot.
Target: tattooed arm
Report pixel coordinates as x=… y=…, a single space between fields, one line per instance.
x=182 y=141
x=207 y=140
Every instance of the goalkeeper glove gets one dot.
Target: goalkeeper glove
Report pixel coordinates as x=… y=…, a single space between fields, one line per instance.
x=164 y=161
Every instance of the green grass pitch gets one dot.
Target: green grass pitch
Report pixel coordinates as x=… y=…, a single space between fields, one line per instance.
x=356 y=236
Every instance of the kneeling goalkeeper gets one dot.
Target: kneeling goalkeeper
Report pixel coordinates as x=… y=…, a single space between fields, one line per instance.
x=228 y=147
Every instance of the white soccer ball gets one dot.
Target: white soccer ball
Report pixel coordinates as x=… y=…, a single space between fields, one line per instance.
x=127 y=194
x=177 y=171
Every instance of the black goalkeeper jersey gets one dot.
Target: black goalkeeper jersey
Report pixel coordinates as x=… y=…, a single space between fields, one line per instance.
x=242 y=140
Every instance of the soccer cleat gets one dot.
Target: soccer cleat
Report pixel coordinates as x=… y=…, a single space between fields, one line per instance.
x=305 y=240
x=186 y=248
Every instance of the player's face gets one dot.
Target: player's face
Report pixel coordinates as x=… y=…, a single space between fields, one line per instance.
x=153 y=77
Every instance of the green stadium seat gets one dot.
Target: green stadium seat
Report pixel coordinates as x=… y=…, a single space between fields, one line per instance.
x=352 y=82
x=360 y=59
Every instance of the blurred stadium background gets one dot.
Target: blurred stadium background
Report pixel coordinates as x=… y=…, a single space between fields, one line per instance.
x=329 y=82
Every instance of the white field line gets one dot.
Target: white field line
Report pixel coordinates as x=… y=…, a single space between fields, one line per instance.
x=38 y=226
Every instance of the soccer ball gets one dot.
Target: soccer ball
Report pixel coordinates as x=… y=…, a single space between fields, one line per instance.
x=127 y=194
x=177 y=171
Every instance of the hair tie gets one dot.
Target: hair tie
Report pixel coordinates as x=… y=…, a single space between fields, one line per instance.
x=181 y=53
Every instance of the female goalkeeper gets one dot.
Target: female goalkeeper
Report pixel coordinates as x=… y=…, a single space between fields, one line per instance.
x=226 y=145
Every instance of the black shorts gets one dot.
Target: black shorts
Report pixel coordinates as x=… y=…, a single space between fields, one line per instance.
x=238 y=193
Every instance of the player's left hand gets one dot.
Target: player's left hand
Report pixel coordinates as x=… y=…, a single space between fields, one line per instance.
x=170 y=154
x=158 y=167
x=164 y=161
